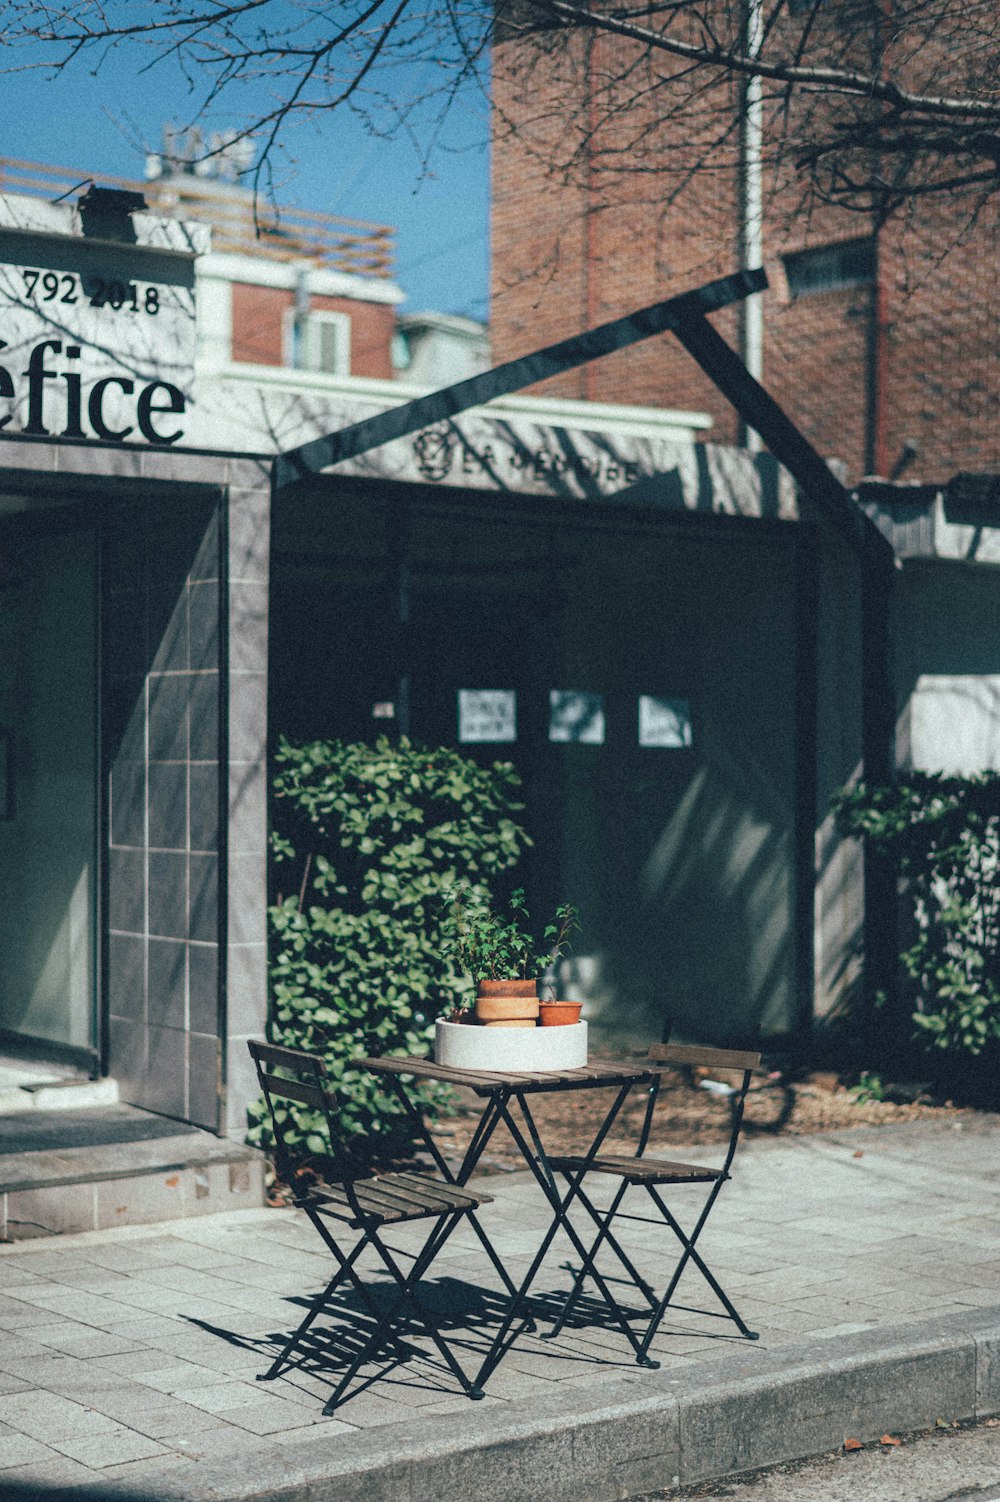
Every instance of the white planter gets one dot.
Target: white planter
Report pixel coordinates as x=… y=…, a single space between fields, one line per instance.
x=521 y=1049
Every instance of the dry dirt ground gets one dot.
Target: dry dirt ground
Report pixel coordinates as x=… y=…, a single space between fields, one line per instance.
x=687 y=1113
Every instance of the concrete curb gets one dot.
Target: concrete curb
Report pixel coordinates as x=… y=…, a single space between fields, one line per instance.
x=622 y=1438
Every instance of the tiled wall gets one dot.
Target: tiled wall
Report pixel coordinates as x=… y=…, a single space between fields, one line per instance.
x=246 y=885
x=163 y=656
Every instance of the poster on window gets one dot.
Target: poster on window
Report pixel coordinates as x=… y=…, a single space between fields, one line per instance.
x=576 y=716
x=487 y=716
x=664 y=722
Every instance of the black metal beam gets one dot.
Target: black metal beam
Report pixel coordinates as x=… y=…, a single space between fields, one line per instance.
x=788 y=445
x=311 y=458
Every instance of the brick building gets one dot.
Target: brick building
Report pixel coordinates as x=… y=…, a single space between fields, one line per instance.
x=880 y=342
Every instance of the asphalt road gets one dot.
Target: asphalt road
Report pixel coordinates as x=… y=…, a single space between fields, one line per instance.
x=947 y=1465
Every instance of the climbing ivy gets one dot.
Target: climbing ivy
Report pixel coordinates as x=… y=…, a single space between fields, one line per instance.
x=366 y=842
x=944 y=833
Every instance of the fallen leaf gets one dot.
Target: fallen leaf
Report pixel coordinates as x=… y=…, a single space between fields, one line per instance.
x=853 y=1444
x=889 y=1439
x=991 y=1423
x=859 y=1153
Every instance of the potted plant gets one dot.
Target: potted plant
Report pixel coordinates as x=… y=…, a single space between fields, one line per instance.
x=556 y=939
x=504 y=961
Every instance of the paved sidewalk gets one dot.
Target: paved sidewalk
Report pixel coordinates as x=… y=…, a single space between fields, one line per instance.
x=869 y=1261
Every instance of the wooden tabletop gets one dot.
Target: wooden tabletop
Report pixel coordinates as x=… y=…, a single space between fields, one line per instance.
x=485 y=1082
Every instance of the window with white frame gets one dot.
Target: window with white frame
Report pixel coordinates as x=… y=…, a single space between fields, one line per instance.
x=320 y=340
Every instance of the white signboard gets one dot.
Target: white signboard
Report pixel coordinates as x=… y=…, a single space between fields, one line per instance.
x=97 y=338
x=576 y=716
x=487 y=716
x=664 y=722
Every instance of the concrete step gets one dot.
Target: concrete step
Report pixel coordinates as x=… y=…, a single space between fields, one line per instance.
x=29 y=1086
x=69 y=1169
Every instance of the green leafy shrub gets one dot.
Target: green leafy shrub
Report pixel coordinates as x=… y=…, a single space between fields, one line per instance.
x=366 y=842
x=944 y=833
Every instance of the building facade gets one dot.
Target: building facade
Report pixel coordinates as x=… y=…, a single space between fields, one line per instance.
x=663 y=636
x=879 y=337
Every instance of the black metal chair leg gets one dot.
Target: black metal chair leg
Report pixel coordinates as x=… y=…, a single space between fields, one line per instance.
x=581 y=1276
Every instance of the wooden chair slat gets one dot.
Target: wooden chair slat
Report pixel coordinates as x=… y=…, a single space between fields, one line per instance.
x=373 y=1197
x=449 y=1195
x=306 y=1095
x=288 y=1058
x=642 y=1170
x=708 y=1058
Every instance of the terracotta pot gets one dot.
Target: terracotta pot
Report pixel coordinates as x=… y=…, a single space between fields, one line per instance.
x=508 y=988
x=507 y=1002
x=559 y=1013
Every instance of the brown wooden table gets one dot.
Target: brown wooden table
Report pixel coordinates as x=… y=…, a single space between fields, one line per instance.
x=500 y=1092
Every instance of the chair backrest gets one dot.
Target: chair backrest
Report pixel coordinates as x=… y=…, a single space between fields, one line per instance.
x=693 y=1056
x=687 y=1055
x=303 y=1079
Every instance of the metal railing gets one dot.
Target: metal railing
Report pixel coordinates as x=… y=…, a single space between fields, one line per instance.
x=239 y=223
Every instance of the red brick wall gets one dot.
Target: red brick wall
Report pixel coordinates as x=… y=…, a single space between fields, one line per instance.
x=614 y=226
x=258 y=328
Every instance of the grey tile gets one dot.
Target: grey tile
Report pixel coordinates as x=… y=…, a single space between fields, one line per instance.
x=204 y=806
x=128 y=803
x=203 y=625
x=204 y=897
x=147 y=1197
x=248 y=627
x=127 y=890
x=167 y=988
x=169 y=698
x=248 y=717
x=203 y=988
x=100 y=1451
x=247 y=808
x=50 y=1212
x=205 y=717
x=246 y=988
x=241 y=1081
x=126 y=976
x=247 y=899
x=165 y=1088
x=206 y=561
x=128 y=1056
x=21 y=1450
x=203 y=1080
x=166 y=625
x=168 y=805
x=248 y=535
x=168 y=894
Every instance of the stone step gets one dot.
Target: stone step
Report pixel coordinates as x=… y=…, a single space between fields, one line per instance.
x=67 y=1170
x=27 y=1085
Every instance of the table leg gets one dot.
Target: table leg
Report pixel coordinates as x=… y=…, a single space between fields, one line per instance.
x=539 y=1164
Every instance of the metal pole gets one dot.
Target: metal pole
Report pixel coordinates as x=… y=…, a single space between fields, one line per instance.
x=751 y=211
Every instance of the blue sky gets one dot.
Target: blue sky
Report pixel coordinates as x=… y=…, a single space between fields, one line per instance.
x=333 y=164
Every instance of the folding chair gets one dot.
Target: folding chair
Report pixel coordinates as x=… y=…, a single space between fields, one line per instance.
x=367 y=1204
x=653 y=1174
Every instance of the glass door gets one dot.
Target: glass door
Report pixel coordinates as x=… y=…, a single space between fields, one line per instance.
x=48 y=784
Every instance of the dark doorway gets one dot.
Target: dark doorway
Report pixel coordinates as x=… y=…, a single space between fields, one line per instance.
x=48 y=784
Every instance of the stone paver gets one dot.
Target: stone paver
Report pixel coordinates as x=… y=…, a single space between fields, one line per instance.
x=120 y=1349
